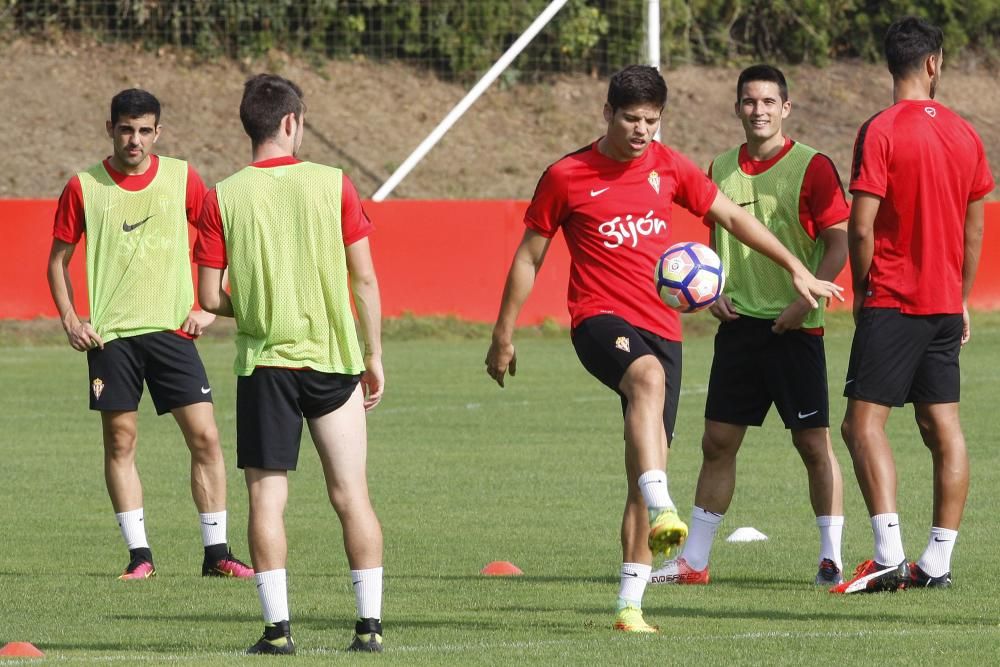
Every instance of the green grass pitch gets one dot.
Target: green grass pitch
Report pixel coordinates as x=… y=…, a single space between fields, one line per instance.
x=463 y=473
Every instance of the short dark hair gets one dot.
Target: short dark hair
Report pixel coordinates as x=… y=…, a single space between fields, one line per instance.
x=637 y=84
x=908 y=42
x=133 y=103
x=762 y=73
x=267 y=98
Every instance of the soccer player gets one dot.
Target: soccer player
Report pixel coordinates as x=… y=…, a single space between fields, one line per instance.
x=135 y=207
x=613 y=201
x=769 y=346
x=295 y=239
x=919 y=177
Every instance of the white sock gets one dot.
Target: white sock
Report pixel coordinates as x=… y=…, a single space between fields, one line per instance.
x=368 y=592
x=653 y=485
x=133 y=527
x=633 y=584
x=936 y=559
x=272 y=589
x=888 y=539
x=831 y=530
x=701 y=534
x=213 y=528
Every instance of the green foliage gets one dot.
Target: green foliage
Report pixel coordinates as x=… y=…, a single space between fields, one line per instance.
x=462 y=38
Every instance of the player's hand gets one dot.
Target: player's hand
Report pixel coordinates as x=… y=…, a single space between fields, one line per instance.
x=372 y=381
x=723 y=309
x=196 y=322
x=83 y=337
x=792 y=316
x=501 y=358
x=966 y=325
x=811 y=288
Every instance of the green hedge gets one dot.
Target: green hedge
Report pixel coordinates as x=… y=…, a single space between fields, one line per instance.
x=463 y=37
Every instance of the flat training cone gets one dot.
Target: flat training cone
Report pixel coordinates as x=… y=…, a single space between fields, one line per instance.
x=20 y=650
x=501 y=568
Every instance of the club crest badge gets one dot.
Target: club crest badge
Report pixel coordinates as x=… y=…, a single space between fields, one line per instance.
x=654 y=181
x=97 y=386
x=622 y=343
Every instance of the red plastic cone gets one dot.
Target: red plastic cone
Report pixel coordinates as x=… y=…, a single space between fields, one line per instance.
x=21 y=650
x=501 y=568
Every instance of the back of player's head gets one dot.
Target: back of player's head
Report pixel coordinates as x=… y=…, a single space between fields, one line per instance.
x=267 y=98
x=908 y=42
x=133 y=103
x=637 y=84
x=762 y=73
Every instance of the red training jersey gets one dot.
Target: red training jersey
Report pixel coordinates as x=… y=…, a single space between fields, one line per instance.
x=210 y=249
x=926 y=163
x=70 y=224
x=822 y=202
x=616 y=219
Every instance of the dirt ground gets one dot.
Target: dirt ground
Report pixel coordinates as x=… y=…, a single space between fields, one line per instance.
x=367 y=117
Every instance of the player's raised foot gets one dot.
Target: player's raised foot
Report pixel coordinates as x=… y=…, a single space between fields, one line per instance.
x=678 y=571
x=920 y=579
x=140 y=566
x=229 y=566
x=872 y=577
x=829 y=574
x=666 y=532
x=277 y=640
x=367 y=636
x=629 y=619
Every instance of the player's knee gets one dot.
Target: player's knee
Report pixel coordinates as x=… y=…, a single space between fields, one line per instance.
x=204 y=442
x=644 y=378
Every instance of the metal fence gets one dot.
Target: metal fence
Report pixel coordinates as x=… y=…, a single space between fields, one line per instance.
x=455 y=38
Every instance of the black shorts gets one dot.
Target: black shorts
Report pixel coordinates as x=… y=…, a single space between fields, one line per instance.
x=168 y=362
x=898 y=359
x=607 y=345
x=270 y=405
x=754 y=368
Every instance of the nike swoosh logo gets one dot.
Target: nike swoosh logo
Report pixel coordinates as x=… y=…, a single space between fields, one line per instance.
x=356 y=583
x=594 y=193
x=631 y=574
x=127 y=227
x=891 y=525
x=938 y=539
x=803 y=415
x=847 y=382
x=212 y=523
x=205 y=390
x=748 y=203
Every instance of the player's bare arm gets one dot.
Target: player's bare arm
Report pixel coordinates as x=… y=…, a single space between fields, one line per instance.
x=81 y=334
x=364 y=286
x=974 y=216
x=834 y=256
x=212 y=294
x=741 y=224
x=861 y=243
x=528 y=259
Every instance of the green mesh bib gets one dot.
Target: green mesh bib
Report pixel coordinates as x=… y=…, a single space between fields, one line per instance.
x=138 y=258
x=757 y=286
x=288 y=269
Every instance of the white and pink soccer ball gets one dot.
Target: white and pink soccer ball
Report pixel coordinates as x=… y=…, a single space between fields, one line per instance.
x=689 y=277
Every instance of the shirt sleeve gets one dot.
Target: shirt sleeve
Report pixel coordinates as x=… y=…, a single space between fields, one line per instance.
x=984 y=183
x=549 y=206
x=69 y=222
x=869 y=170
x=210 y=247
x=695 y=190
x=196 y=192
x=354 y=222
x=822 y=202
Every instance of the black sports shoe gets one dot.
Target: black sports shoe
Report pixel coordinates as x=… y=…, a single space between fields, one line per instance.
x=226 y=566
x=367 y=636
x=277 y=640
x=829 y=574
x=920 y=579
x=140 y=565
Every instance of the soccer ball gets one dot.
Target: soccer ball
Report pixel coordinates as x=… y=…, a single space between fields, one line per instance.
x=689 y=277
